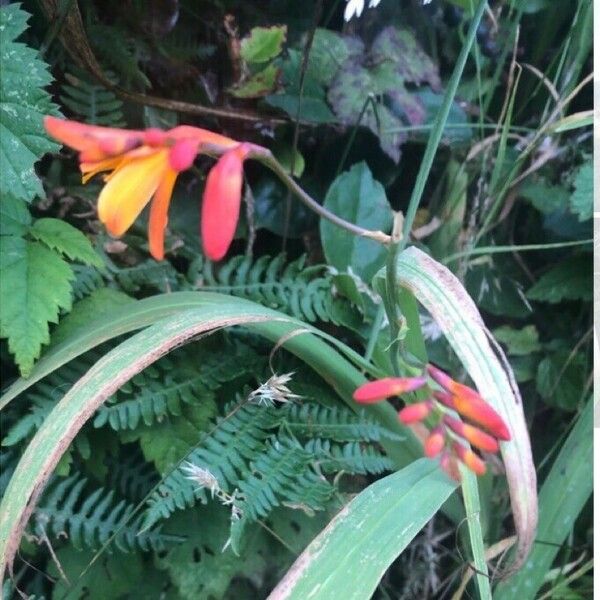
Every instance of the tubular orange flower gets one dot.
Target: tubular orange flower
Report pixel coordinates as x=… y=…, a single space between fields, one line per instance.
x=221 y=203
x=414 y=413
x=475 y=436
x=143 y=166
x=469 y=403
x=470 y=459
x=378 y=390
x=434 y=444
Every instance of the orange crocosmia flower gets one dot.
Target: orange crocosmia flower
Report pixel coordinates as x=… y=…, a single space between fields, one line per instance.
x=378 y=390
x=142 y=166
x=472 y=434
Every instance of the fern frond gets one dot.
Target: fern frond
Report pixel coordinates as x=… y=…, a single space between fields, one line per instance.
x=89 y=520
x=131 y=475
x=188 y=376
x=87 y=279
x=91 y=103
x=338 y=424
x=149 y=274
x=351 y=457
x=301 y=291
x=237 y=440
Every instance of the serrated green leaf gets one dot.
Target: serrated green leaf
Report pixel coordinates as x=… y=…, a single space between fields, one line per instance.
x=14 y=216
x=63 y=237
x=582 y=198
x=35 y=287
x=312 y=109
x=263 y=43
x=23 y=103
x=358 y=198
x=569 y=280
x=518 y=342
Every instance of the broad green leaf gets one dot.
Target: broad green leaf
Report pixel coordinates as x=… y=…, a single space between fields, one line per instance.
x=312 y=106
x=358 y=198
x=23 y=103
x=14 y=215
x=565 y=492
x=582 y=198
x=289 y=158
x=212 y=311
x=569 y=280
x=64 y=238
x=349 y=557
x=544 y=197
x=561 y=379
x=518 y=342
x=35 y=287
x=263 y=43
x=442 y=294
x=311 y=109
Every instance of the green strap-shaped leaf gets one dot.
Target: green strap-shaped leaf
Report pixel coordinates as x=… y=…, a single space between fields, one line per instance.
x=442 y=294
x=349 y=557
x=562 y=497
x=211 y=311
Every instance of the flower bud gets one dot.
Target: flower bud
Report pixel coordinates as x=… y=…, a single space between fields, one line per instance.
x=469 y=459
x=378 y=390
x=473 y=435
x=434 y=444
x=415 y=412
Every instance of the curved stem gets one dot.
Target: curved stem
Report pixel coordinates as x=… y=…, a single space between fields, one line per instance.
x=264 y=156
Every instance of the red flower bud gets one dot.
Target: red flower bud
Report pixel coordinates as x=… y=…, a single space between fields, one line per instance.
x=449 y=465
x=470 y=459
x=434 y=444
x=475 y=436
x=221 y=204
x=378 y=390
x=415 y=412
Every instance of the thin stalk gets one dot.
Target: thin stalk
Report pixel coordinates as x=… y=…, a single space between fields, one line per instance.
x=515 y=248
x=392 y=304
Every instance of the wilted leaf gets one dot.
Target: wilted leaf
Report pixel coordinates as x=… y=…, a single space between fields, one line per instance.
x=400 y=47
x=258 y=85
x=358 y=198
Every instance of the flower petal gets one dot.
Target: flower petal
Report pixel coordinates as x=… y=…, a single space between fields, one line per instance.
x=129 y=190
x=159 y=210
x=93 y=141
x=434 y=444
x=221 y=204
